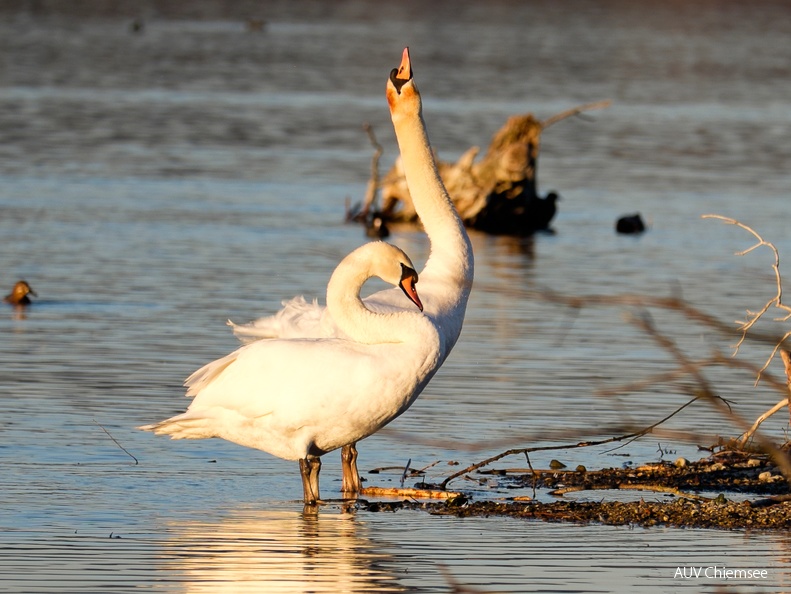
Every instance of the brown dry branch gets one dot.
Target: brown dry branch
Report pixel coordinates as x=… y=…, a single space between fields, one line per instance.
x=695 y=314
x=545 y=435
x=786 y=402
x=408 y=492
x=581 y=444
x=776 y=301
x=408 y=471
x=716 y=359
x=575 y=111
x=753 y=317
x=786 y=356
x=706 y=392
x=373 y=183
x=749 y=433
x=695 y=369
x=686 y=368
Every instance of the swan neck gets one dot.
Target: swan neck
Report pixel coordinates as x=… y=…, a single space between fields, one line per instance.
x=349 y=313
x=441 y=222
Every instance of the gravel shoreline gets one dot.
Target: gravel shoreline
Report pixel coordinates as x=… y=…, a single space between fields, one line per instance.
x=764 y=496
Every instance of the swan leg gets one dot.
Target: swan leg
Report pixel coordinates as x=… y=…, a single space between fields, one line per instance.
x=351 y=477
x=309 y=469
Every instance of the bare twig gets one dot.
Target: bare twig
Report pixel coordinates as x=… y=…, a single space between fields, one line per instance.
x=686 y=367
x=645 y=301
x=705 y=391
x=716 y=359
x=786 y=356
x=373 y=182
x=116 y=442
x=776 y=301
x=749 y=433
x=575 y=111
x=425 y=468
x=581 y=444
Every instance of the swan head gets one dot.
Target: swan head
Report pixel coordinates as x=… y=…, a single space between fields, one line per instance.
x=401 y=86
x=19 y=294
x=383 y=260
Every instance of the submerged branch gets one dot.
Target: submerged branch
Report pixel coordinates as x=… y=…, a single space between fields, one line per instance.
x=116 y=442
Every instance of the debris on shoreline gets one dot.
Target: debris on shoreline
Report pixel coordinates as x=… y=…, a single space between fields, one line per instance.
x=729 y=490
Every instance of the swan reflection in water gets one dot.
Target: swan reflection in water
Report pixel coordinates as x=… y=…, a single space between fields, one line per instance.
x=276 y=551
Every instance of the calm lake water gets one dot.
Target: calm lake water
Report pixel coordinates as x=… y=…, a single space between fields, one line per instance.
x=155 y=184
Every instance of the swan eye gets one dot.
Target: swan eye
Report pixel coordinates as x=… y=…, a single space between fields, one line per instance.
x=408 y=273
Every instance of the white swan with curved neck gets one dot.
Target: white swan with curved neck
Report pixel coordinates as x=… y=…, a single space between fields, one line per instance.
x=299 y=399
x=446 y=279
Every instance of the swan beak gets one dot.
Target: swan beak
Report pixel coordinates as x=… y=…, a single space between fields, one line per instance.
x=405 y=69
x=407 y=284
x=401 y=75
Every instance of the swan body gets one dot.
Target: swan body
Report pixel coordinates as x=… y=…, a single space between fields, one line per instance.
x=299 y=398
x=19 y=294
x=446 y=279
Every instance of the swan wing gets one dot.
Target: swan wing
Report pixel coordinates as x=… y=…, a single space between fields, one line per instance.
x=299 y=318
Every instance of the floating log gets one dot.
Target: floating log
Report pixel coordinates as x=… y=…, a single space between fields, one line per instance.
x=496 y=194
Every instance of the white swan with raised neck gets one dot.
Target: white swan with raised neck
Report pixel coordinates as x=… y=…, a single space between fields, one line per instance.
x=446 y=279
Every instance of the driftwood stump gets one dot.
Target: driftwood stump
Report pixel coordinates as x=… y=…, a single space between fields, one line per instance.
x=496 y=194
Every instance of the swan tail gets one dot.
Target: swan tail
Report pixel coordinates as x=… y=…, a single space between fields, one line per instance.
x=207 y=374
x=181 y=427
x=252 y=331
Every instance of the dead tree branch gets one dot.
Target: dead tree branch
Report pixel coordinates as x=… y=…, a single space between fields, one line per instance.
x=705 y=391
x=373 y=183
x=497 y=193
x=581 y=444
x=575 y=111
x=776 y=301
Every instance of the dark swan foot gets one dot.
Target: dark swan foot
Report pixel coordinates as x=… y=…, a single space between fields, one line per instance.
x=309 y=469
x=350 y=484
